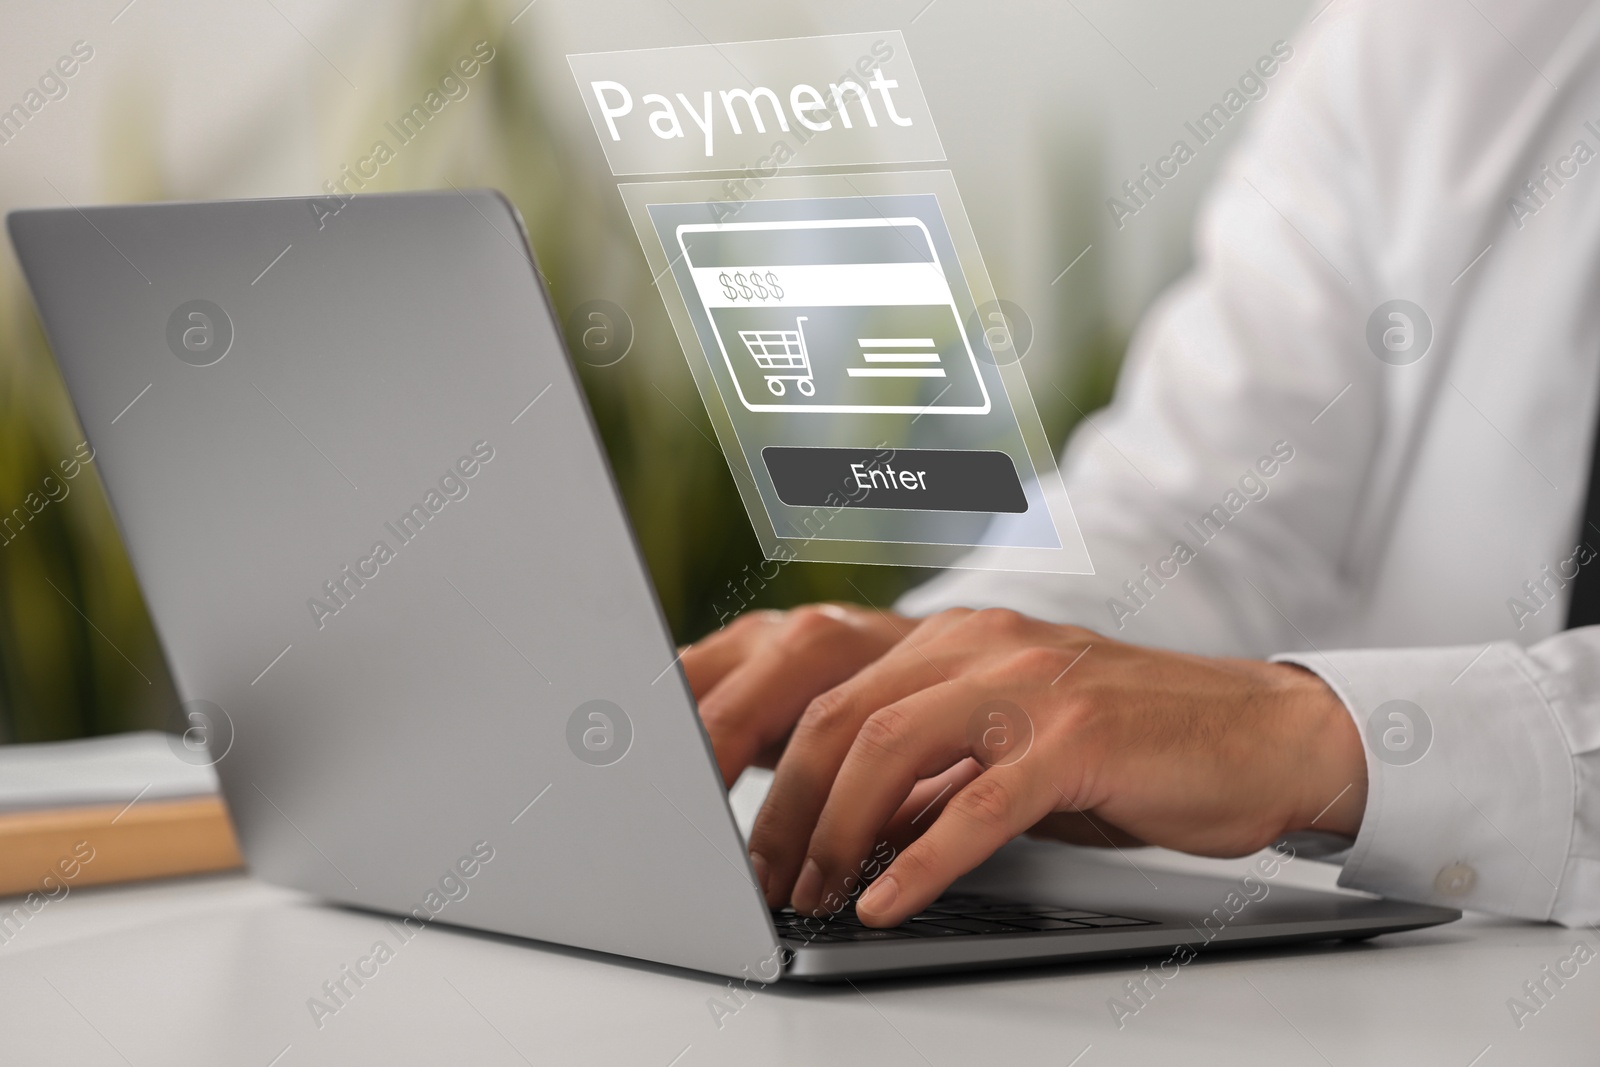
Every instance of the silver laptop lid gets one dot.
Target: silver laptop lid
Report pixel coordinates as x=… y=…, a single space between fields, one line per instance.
x=361 y=490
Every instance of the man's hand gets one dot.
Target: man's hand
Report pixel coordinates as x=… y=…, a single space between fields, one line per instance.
x=754 y=677
x=980 y=726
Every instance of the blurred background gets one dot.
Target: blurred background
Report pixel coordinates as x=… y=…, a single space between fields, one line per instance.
x=1045 y=108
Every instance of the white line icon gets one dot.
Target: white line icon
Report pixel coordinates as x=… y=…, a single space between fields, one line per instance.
x=782 y=350
x=856 y=313
x=882 y=350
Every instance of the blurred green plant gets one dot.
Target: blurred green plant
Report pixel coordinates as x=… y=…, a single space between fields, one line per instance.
x=78 y=654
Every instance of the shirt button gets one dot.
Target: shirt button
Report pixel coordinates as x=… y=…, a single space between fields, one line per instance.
x=1456 y=880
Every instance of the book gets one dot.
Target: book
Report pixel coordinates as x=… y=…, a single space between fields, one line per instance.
x=107 y=809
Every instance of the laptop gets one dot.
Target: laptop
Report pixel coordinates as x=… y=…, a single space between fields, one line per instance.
x=400 y=596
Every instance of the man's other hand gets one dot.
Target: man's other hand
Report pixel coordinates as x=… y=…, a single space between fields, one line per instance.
x=754 y=677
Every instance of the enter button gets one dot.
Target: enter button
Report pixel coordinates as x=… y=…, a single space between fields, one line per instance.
x=902 y=479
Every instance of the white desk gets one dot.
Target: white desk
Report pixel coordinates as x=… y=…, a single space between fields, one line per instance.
x=218 y=971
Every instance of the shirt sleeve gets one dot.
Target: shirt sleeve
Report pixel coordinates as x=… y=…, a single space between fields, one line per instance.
x=1483 y=769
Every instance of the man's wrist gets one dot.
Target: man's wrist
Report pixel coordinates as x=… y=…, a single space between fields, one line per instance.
x=1332 y=759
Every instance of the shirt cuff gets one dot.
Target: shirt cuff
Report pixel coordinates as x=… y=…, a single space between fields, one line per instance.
x=1470 y=782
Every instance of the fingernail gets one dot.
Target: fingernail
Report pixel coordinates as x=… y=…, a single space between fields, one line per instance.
x=758 y=863
x=808 y=887
x=881 y=895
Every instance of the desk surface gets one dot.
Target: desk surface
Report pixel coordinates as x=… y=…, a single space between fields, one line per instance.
x=220 y=971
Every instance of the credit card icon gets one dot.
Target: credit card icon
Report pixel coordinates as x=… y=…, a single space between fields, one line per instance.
x=843 y=315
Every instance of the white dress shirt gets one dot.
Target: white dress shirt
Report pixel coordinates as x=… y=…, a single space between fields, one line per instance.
x=1412 y=547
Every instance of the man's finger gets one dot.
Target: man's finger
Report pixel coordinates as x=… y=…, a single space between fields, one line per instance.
x=912 y=739
x=710 y=660
x=926 y=801
x=919 y=737
x=758 y=702
x=999 y=804
x=821 y=739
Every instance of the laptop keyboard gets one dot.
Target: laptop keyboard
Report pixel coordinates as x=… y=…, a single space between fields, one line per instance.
x=950 y=916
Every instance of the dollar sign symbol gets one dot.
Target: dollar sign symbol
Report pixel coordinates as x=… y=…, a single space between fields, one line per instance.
x=777 y=290
x=755 y=283
x=728 y=291
x=744 y=286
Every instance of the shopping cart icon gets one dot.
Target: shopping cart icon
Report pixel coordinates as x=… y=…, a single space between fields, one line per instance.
x=782 y=350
